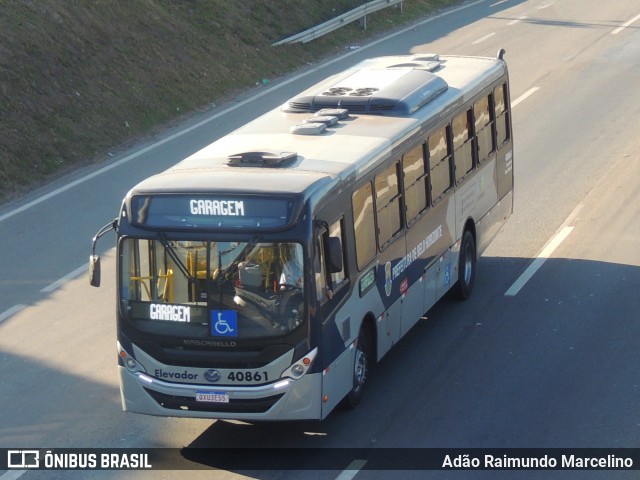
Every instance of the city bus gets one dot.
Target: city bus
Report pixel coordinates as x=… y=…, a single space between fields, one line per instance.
x=262 y=277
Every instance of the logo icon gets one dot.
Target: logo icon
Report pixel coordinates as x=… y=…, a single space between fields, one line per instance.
x=23 y=459
x=224 y=323
x=212 y=376
x=388 y=281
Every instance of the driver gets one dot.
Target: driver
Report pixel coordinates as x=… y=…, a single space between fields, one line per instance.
x=291 y=266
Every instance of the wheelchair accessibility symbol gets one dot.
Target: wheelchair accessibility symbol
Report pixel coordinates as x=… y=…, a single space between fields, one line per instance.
x=224 y=323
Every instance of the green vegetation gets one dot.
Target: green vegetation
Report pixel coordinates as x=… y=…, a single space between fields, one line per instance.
x=78 y=78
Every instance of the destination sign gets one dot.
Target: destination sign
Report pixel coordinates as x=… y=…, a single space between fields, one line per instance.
x=202 y=211
x=168 y=312
x=217 y=207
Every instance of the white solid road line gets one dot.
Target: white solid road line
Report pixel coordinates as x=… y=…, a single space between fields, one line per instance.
x=482 y=39
x=517 y=20
x=538 y=262
x=524 y=96
x=11 y=311
x=555 y=241
x=625 y=25
x=12 y=474
x=70 y=276
x=349 y=472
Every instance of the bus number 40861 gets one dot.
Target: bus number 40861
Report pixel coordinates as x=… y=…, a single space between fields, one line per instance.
x=248 y=376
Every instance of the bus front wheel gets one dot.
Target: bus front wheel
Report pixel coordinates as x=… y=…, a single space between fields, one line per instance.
x=466 y=267
x=361 y=366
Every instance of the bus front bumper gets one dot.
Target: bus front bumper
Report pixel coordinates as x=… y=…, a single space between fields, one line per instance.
x=285 y=399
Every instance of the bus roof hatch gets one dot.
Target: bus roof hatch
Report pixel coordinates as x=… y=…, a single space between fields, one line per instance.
x=262 y=159
x=382 y=86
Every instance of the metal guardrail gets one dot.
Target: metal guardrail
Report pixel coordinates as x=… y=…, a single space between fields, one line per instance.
x=329 y=26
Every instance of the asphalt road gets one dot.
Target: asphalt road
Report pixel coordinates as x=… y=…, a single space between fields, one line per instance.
x=544 y=355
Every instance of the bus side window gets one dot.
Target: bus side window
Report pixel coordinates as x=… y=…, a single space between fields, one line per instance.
x=415 y=182
x=502 y=115
x=439 y=171
x=388 y=211
x=462 y=145
x=484 y=134
x=363 y=224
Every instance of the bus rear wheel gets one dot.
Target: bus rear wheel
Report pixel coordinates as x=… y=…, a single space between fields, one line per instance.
x=466 y=267
x=361 y=365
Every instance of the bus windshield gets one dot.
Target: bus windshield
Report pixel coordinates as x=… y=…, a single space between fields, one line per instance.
x=212 y=289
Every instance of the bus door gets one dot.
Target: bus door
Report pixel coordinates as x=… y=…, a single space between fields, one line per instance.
x=331 y=314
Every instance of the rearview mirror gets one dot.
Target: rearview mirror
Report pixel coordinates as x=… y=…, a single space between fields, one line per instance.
x=334 y=254
x=94 y=260
x=94 y=270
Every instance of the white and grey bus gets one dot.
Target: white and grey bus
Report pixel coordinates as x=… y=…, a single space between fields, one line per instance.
x=262 y=277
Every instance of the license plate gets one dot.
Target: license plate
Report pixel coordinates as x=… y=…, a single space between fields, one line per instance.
x=212 y=397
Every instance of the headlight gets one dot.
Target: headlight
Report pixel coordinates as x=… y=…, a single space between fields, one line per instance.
x=128 y=361
x=298 y=369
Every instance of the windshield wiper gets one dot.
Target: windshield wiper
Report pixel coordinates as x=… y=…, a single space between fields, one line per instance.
x=176 y=259
x=233 y=265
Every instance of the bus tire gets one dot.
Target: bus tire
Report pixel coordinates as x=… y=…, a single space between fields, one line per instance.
x=362 y=361
x=466 y=267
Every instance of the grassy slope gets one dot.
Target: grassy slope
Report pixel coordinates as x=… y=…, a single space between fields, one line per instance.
x=78 y=78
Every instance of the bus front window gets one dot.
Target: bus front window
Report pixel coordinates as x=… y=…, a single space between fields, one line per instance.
x=235 y=289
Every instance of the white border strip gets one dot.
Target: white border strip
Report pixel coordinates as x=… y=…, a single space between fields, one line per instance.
x=538 y=262
x=625 y=25
x=70 y=276
x=217 y=115
x=12 y=311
